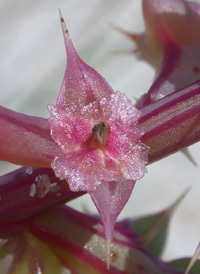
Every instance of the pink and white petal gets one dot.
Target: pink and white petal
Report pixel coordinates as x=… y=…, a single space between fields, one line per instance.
x=85 y=169
x=131 y=157
x=81 y=84
x=101 y=171
x=120 y=109
x=133 y=164
x=110 y=198
x=126 y=141
x=68 y=132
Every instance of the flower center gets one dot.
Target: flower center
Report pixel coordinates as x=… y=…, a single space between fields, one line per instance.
x=100 y=133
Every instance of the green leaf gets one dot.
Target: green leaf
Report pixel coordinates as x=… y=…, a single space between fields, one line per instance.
x=182 y=264
x=187 y=153
x=194 y=259
x=153 y=228
x=38 y=258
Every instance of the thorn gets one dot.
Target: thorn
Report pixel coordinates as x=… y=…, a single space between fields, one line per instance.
x=108 y=254
x=117 y=28
x=64 y=27
x=194 y=259
x=134 y=37
x=123 y=51
x=187 y=153
x=179 y=200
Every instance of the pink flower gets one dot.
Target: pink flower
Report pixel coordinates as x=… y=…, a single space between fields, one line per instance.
x=97 y=131
x=171 y=44
x=97 y=145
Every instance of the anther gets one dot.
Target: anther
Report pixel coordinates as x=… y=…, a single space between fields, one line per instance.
x=100 y=133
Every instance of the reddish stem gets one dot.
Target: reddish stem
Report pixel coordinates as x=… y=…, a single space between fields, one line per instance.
x=17 y=203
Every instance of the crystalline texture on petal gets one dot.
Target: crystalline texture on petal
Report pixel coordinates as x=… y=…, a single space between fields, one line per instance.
x=84 y=166
x=91 y=86
x=97 y=131
x=110 y=198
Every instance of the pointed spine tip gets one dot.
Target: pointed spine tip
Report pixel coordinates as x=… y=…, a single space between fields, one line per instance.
x=108 y=254
x=194 y=259
x=64 y=27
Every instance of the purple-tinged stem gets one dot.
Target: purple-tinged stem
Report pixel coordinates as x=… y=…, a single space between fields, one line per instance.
x=172 y=123
x=29 y=191
x=65 y=238
x=25 y=140
x=60 y=230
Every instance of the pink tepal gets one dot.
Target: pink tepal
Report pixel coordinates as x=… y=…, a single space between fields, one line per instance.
x=97 y=131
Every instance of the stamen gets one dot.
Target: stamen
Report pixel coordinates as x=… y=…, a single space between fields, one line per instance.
x=100 y=133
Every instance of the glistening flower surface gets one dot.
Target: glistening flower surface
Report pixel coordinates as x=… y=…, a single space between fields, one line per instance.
x=100 y=129
x=98 y=134
x=89 y=159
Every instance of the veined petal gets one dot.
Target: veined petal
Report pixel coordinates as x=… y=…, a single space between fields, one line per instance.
x=90 y=87
x=25 y=139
